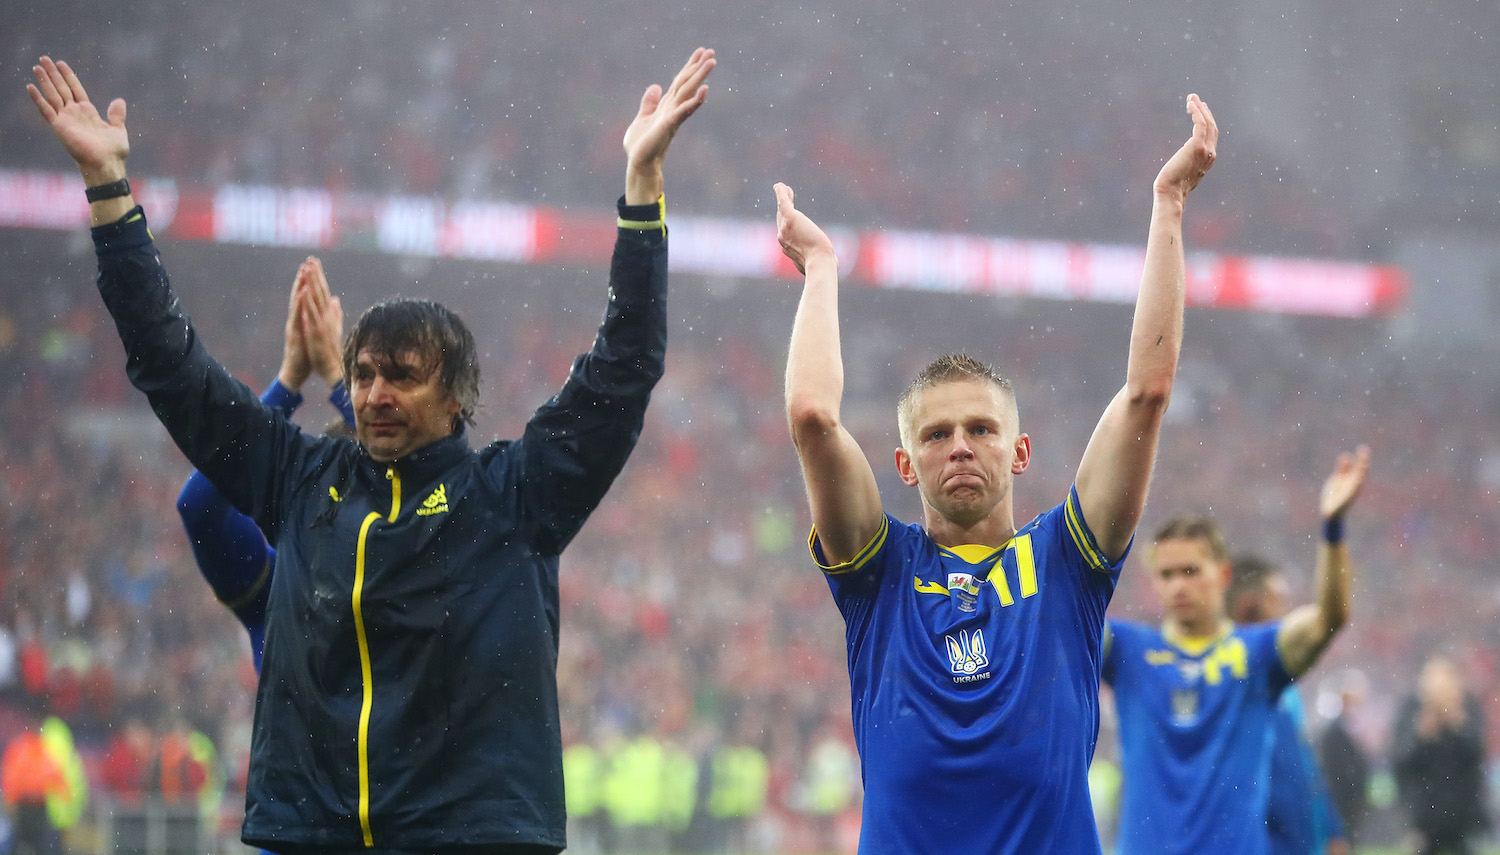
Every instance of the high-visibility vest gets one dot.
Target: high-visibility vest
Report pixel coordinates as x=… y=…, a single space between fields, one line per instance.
x=829 y=786
x=741 y=778
x=679 y=788
x=66 y=806
x=633 y=786
x=582 y=788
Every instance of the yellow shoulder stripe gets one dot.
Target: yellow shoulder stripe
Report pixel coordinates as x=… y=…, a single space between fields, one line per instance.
x=1080 y=534
x=859 y=559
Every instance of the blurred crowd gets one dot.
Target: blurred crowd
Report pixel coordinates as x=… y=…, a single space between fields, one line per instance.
x=693 y=620
x=1038 y=121
x=698 y=639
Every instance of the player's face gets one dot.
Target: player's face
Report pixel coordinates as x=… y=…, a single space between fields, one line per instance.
x=965 y=449
x=399 y=405
x=1188 y=581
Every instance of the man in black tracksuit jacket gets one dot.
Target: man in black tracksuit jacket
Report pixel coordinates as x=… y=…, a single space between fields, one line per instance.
x=408 y=698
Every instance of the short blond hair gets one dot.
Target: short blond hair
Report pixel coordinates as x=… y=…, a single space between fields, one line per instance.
x=948 y=368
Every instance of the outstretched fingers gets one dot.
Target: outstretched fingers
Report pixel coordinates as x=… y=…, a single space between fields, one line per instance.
x=71 y=81
x=47 y=92
x=785 y=200
x=1205 y=129
x=688 y=91
x=694 y=65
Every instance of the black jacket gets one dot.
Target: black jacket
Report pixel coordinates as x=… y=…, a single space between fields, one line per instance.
x=408 y=696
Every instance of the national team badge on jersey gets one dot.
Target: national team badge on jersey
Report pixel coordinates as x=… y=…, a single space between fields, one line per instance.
x=964 y=589
x=966 y=655
x=1184 y=706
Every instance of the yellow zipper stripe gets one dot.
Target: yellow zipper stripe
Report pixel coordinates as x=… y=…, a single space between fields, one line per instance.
x=395 y=479
x=369 y=682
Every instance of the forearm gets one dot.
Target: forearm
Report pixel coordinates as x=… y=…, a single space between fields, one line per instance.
x=208 y=413
x=815 y=366
x=1156 y=334
x=576 y=444
x=1333 y=587
x=629 y=352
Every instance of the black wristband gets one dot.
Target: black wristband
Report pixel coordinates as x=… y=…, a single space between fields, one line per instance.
x=1333 y=530
x=112 y=190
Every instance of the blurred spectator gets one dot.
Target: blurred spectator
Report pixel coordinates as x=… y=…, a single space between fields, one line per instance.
x=30 y=778
x=1344 y=762
x=1437 y=752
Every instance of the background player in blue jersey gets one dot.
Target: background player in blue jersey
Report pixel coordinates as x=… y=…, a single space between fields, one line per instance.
x=974 y=648
x=231 y=551
x=1197 y=694
x=1301 y=817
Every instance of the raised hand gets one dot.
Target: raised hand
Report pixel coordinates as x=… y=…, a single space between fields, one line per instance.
x=1191 y=162
x=660 y=115
x=799 y=236
x=322 y=324
x=295 y=365
x=99 y=147
x=1343 y=486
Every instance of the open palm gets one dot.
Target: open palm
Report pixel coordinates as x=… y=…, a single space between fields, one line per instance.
x=1343 y=486
x=97 y=145
x=662 y=113
x=1190 y=163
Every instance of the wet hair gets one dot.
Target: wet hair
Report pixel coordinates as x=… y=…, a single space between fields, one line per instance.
x=1195 y=527
x=431 y=330
x=1250 y=575
x=948 y=368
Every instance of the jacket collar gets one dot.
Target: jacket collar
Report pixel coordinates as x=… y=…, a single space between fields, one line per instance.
x=429 y=460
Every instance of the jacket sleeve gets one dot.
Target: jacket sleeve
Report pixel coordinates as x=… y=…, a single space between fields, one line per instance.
x=576 y=443
x=229 y=549
x=239 y=443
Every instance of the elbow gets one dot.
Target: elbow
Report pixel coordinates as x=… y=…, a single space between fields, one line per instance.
x=1152 y=394
x=809 y=419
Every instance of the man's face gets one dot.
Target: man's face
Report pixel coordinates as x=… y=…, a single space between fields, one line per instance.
x=399 y=405
x=1188 y=581
x=965 y=449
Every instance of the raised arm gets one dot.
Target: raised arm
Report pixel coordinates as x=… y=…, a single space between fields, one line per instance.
x=577 y=443
x=1116 y=467
x=841 y=486
x=217 y=421
x=1306 y=632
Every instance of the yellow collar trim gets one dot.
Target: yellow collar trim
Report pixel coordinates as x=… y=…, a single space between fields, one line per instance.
x=1195 y=645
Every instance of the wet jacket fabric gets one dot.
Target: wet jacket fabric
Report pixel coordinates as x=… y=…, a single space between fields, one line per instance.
x=408 y=696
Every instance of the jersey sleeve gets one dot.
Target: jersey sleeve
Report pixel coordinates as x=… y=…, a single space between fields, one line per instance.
x=228 y=547
x=857 y=584
x=1261 y=641
x=854 y=564
x=1080 y=540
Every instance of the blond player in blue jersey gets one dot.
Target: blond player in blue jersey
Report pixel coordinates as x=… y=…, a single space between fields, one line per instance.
x=1197 y=694
x=974 y=648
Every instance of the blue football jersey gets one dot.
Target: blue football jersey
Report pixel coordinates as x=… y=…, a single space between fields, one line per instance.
x=1195 y=719
x=1300 y=815
x=975 y=679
